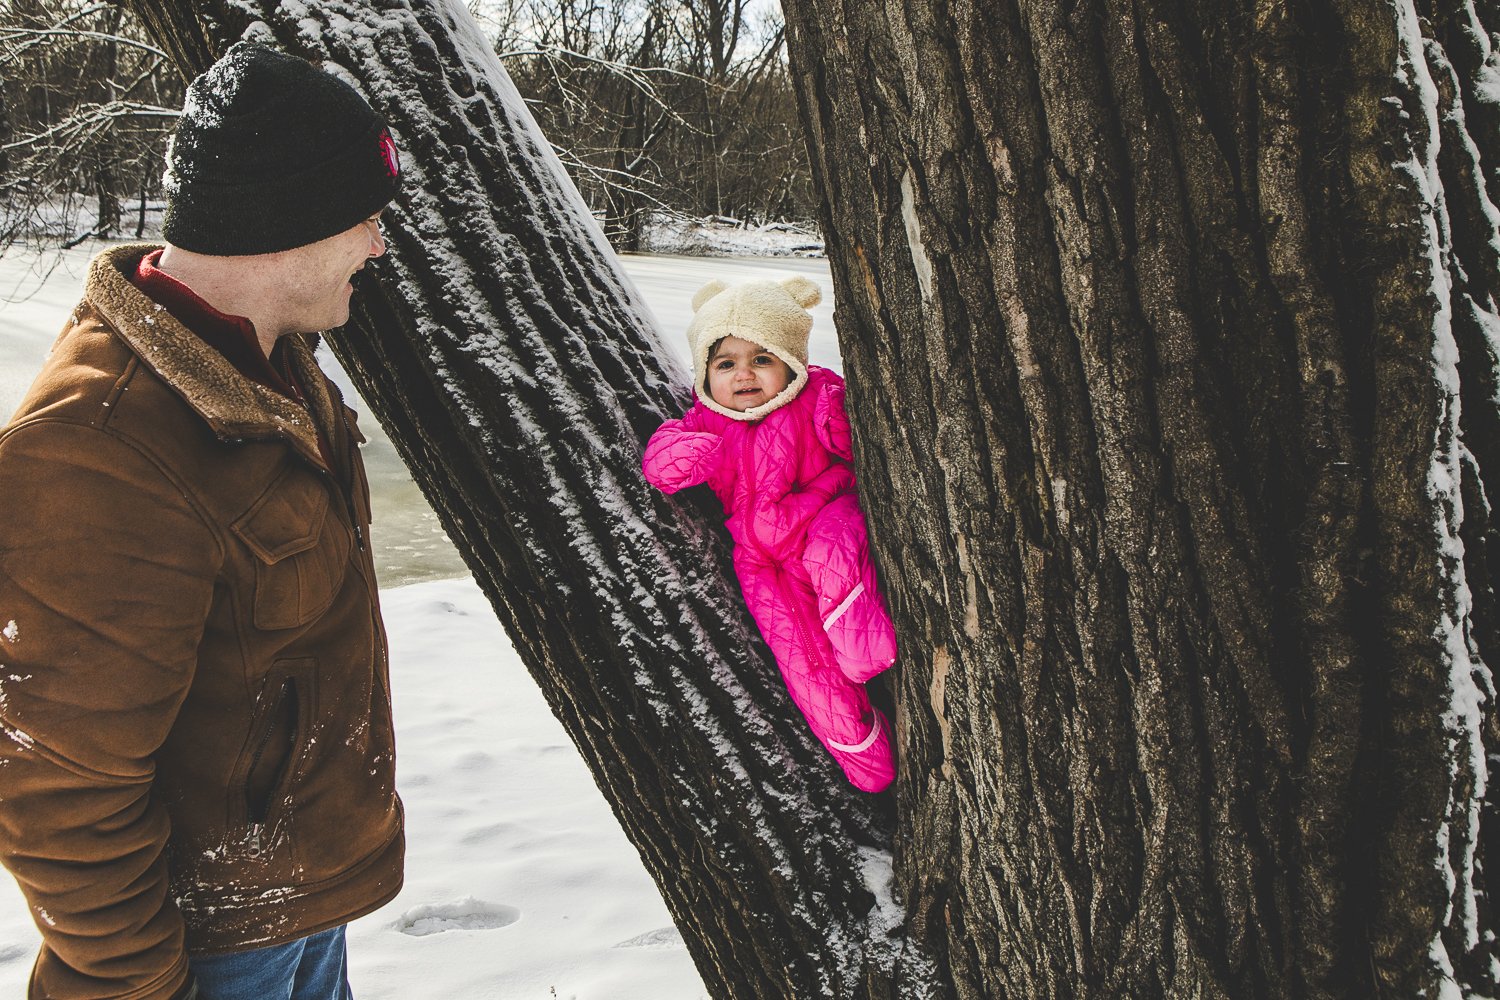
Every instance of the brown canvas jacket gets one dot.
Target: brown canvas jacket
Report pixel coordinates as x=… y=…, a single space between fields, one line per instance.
x=196 y=747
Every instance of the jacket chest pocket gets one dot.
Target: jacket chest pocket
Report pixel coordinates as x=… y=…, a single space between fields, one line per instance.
x=301 y=550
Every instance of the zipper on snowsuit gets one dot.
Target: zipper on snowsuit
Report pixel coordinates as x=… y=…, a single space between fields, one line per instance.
x=778 y=572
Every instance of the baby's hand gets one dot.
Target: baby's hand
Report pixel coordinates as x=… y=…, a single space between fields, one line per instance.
x=677 y=458
x=786 y=519
x=831 y=421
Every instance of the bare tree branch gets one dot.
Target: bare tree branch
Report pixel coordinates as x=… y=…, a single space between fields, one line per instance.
x=38 y=33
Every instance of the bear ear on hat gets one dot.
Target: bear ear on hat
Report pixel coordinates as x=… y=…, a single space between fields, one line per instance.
x=804 y=290
x=707 y=292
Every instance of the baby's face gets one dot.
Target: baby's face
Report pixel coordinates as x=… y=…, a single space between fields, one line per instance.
x=743 y=375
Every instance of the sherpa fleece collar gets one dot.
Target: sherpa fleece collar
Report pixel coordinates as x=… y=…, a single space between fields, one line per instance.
x=236 y=408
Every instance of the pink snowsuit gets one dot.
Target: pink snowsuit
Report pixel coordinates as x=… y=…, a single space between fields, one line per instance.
x=802 y=556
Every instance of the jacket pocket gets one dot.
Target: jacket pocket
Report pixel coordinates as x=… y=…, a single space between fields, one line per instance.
x=274 y=752
x=301 y=553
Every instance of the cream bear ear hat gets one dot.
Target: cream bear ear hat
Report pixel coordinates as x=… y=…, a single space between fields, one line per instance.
x=772 y=314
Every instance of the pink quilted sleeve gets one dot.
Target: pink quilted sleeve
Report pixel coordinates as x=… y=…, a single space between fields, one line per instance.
x=780 y=522
x=677 y=457
x=831 y=422
x=831 y=482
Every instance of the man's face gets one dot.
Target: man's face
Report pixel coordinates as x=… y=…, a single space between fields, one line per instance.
x=317 y=287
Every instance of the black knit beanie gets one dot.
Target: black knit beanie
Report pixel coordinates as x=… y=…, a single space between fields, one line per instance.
x=272 y=153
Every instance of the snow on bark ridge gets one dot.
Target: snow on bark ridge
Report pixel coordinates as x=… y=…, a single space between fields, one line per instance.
x=1466 y=671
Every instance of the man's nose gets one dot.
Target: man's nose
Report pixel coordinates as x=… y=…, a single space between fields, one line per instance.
x=377 y=242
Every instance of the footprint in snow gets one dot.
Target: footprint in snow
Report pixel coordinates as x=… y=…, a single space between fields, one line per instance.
x=657 y=940
x=467 y=914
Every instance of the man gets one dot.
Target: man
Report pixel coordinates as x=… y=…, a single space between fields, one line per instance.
x=196 y=749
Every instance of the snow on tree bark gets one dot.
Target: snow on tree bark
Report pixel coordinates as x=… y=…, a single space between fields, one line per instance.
x=506 y=355
x=1172 y=328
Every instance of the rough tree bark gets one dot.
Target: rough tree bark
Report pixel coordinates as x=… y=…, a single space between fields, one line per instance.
x=505 y=354
x=1172 y=326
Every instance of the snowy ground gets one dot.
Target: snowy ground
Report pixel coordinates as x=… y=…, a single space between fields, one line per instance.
x=520 y=884
x=709 y=236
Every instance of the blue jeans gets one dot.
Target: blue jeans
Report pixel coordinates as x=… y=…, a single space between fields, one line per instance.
x=312 y=968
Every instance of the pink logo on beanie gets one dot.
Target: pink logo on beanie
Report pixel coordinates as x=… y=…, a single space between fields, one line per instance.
x=388 y=153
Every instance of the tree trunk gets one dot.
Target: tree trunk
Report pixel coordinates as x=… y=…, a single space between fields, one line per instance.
x=7 y=127
x=508 y=359
x=624 y=211
x=626 y=208
x=1172 y=328
x=100 y=70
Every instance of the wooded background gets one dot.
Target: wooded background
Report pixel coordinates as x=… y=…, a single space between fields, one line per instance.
x=662 y=109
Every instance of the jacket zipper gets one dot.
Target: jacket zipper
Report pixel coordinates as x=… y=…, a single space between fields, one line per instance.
x=801 y=623
x=368 y=562
x=359 y=532
x=345 y=447
x=259 y=811
x=749 y=474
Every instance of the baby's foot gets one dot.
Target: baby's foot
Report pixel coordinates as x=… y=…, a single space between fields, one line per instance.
x=870 y=765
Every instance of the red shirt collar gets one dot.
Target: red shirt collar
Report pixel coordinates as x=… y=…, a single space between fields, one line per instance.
x=232 y=336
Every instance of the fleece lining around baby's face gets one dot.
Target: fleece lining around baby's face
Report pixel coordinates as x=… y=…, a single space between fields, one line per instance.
x=772 y=314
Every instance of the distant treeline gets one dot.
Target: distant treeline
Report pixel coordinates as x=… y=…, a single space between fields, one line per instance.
x=657 y=107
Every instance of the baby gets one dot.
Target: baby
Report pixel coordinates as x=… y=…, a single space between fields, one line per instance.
x=768 y=433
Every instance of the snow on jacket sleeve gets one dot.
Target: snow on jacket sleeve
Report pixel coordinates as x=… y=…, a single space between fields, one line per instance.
x=680 y=455
x=106 y=572
x=831 y=421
